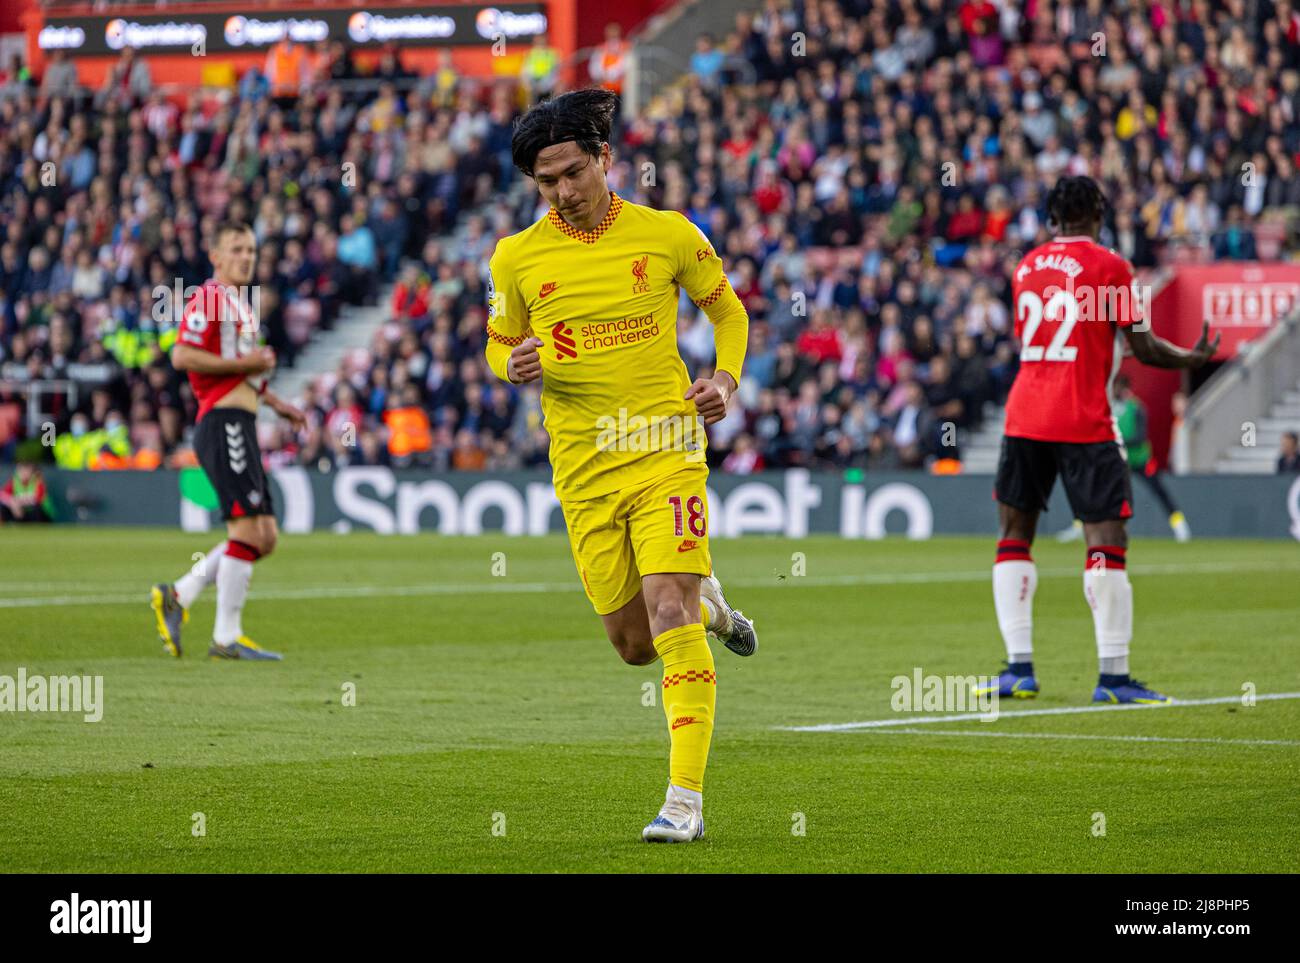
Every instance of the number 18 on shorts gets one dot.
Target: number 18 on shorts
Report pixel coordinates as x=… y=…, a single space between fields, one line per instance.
x=659 y=527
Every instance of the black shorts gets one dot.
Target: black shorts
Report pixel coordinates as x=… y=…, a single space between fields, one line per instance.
x=225 y=442
x=1094 y=474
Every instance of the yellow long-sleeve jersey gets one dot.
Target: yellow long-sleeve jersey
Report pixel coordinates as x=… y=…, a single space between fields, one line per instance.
x=604 y=305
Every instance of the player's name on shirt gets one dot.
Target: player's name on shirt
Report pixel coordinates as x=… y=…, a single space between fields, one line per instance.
x=1058 y=262
x=1088 y=300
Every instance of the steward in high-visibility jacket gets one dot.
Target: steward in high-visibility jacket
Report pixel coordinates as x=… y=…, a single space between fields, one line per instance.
x=71 y=450
x=112 y=449
x=408 y=431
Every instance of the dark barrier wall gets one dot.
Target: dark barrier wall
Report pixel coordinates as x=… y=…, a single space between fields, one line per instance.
x=792 y=503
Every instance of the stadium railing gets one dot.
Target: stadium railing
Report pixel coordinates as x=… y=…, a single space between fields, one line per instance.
x=1236 y=394
x=34 y=390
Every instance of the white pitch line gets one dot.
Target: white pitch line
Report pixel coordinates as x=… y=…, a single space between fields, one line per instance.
x=909 y=719
x=316 y=592
x=1062 y=735
x=497 y=586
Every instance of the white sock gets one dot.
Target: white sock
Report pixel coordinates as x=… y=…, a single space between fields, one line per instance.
x=190 y=585
x=693 y=796
x=1110 y=596
x=1014 y=582
x=233 y=576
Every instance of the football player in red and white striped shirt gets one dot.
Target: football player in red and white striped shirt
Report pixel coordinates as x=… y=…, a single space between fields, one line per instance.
x=218 y=344
x=1076 y=305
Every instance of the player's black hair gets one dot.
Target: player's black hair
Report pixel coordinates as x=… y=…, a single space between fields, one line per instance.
x=585 y=117
x=1075 y=201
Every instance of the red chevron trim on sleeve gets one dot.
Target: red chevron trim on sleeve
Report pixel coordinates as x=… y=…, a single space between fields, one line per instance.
x=499 y=338
x=714 y=294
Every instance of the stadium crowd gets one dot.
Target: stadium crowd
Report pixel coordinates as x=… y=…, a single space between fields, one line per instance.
x=870 y=171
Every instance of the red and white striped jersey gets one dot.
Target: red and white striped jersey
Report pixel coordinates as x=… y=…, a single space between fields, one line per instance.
x=221 y=320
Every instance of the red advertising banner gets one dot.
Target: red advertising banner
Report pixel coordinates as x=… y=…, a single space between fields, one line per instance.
x=1240 y=300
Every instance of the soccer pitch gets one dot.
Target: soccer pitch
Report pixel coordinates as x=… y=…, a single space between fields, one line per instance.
x=495 y=729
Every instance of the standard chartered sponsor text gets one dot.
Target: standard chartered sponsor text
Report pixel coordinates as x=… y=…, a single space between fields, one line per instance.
x=613 y=334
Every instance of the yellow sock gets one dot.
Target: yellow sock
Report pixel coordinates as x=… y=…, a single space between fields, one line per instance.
x=704 y=613
x=690 y=693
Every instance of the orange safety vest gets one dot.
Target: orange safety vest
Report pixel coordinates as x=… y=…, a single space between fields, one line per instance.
x=286 y=66
x=408 y=431
x=610 y=60
x=146 y=459
x=107 y=461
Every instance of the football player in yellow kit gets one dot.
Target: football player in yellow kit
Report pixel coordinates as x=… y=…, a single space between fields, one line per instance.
x=586 y=299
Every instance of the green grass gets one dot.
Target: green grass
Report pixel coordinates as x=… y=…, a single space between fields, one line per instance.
x=478 y=695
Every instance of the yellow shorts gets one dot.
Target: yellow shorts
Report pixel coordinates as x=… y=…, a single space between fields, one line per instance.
x=662 y=526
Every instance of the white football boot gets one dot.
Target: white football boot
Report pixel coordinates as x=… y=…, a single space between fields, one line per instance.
x=681 y=819
x=729 y=625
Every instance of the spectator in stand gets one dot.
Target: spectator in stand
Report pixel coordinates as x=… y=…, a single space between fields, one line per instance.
x=24 y=497
x=15 y=77
x=706 y=62
x=979 y=18
x=343 y=424
x=821 y=342
x=469 y=454
x=127 y=81
x=541 y=69
x=744 y=458
x=356 y=251
x=60 y=78
x=869 y=273
x=967 y=223
x=1288 y=459
x=1235 y=242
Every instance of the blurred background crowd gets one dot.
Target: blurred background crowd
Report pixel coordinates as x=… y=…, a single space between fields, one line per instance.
x=869 y=170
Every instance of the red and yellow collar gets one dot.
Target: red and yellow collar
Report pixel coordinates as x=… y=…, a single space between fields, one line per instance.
x=592 y=236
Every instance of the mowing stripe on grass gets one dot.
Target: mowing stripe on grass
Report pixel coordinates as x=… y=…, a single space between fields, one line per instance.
x=1065 y=735
x=527 y=588
x=899 y=720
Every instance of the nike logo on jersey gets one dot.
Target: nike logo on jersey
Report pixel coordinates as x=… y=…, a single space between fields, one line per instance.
x=546 y=289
